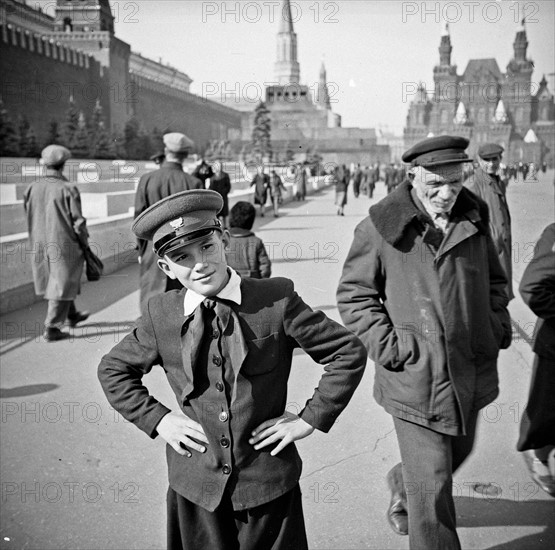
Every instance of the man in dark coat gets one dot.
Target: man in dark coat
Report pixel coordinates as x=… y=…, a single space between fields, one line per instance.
x=221 y=183
x=226 y=344
x=487 y=184
x=537 y=427
x=261 y=183
x=423 y=289
x=154 y=186
x=57 y=234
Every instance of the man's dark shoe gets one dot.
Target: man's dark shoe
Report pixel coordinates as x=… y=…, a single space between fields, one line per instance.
x=397 y=515
x=53 y=334
x=77 y=318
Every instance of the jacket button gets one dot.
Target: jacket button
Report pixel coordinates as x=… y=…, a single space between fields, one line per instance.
x=215 y=334
x=217 y=360
x=224 y=442
x=219 y=386
x=226 y=469
x=222 y=416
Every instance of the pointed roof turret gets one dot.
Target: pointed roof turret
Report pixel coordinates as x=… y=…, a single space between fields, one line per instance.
x=500 y=114
x=530 y=137
x=460 y=116
x=286 y=24
x=520 y=44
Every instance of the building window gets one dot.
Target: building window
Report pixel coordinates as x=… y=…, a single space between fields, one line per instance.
x=444 y=116
x=68 y=26
x=481 y=115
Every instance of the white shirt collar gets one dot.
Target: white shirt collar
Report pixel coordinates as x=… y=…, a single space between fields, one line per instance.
x=231 y=291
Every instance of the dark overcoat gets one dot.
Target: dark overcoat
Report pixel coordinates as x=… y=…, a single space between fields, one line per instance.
x=261 y=336
x=492 y=191
x=57 y=235
x=261 y=184
x=537 y=288
x=432 y=312
x=247 y=254
x=154 y=186
x=222 y=185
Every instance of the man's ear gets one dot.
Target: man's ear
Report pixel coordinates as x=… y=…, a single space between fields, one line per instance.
x=226 y=239
x=165 y=267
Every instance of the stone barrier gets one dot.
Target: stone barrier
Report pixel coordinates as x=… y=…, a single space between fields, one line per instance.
x=111 y=238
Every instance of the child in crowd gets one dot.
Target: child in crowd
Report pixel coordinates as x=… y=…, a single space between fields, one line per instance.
x=246 y=253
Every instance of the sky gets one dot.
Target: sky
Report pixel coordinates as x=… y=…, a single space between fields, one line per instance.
x=375 y=52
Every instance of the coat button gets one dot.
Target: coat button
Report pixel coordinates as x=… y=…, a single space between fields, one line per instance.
x=215 y=334
x=226 y=469
x=219 y=386
x=224 y=442
x=217 y=360
x=222 y=416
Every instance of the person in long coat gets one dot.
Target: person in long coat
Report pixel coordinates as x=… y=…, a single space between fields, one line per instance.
x=301 y=178
x=221 y=183
x=154 y=186
x=487 y=184
x=57 y=235
x=423 y=288
x=261 y=184
x=537 y=426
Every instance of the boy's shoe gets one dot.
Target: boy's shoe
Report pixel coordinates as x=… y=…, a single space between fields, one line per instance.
x=77 y=318
x=540 y=472
x=397 y=515
x=53 y=334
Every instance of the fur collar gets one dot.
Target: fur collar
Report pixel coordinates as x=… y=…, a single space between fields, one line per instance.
x=397 y=211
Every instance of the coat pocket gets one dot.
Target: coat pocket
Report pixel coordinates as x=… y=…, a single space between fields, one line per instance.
x=263 y=356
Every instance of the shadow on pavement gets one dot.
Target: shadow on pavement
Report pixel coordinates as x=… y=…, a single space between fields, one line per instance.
x=31 y=389
x=495 y=512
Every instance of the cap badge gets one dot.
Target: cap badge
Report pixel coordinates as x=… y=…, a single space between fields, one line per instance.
x=176 y=224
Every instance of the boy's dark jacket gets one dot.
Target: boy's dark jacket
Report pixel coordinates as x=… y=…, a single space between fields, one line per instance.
x=273 y=322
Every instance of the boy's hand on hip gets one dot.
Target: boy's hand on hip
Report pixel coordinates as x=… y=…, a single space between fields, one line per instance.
x=182 y=433
x=288 y=428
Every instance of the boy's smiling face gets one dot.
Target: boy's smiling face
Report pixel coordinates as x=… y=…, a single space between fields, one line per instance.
x=200 y=266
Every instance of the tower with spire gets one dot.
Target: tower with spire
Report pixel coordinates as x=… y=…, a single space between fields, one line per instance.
x=287 y=68
x=322 y=98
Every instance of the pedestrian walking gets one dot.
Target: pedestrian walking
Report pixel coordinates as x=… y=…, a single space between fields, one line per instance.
x=487 y=184
x=221 y=183
x=154 y=186
x=423 y=288
x=276 y=190
x=340 y=181
x=261 y=182
x=357 y=180
x=246 y=253
x=226 y=345
x=158 y=158
x=301 y=178
x=57 y=236
x=203 y=172
x=537 y=426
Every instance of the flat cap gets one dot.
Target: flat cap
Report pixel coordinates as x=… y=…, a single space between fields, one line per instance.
x=490 y=150
x=438 y=150
x=54 y=155
x=158 y=156
x=176 y=142
x=179 y=219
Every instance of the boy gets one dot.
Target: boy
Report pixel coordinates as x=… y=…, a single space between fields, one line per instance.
x=226 y=345
x=246 y=253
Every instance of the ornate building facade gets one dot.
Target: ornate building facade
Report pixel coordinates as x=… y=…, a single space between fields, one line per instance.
x=486 y=105
x=75 y=55
x=301 y=116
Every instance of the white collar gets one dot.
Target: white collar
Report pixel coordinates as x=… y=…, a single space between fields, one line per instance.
x=231 y=291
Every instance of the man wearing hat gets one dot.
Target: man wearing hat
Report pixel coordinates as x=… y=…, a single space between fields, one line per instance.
x=57 y=235
x=226 y=345
x=154 y=186
x=487 y=184
x=423 y=288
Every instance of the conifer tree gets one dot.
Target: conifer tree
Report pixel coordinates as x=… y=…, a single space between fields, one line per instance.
x=71 y=125
x=22 y=135
x=53 y=133
x=8 y=135
x=81 y=148
x=100 y=143
x=261 y=133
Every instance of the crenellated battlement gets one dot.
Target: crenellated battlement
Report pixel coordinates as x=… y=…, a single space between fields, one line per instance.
x=44 y=45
